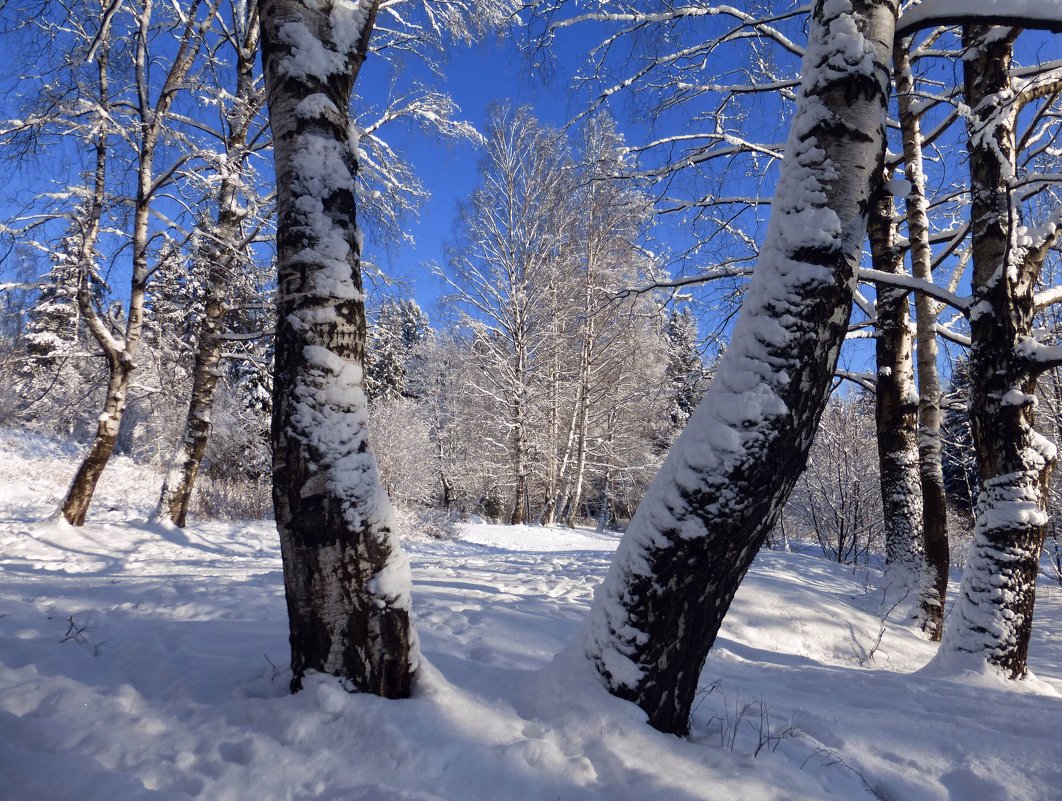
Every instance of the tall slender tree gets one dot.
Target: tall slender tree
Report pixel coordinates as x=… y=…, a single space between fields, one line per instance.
x=931 y=471
x=512 y=236
x=896 y=419
x=152 y=105
x=221 y=256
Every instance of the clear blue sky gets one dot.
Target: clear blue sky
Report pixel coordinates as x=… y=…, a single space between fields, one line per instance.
x=475 y=77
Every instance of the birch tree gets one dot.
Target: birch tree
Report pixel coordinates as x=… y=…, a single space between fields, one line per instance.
x=724 y=481
x=992 y=620
x=511 y=240
x=896 y=418
x=347 y=580
x=611 y=215
x=931 y=472
x=120 y=118
x=222 y=249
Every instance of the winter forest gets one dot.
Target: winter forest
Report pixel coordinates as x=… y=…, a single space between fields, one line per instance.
x=486 y=400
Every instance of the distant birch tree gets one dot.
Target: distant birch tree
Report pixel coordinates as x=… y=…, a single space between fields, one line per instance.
x=511 y=242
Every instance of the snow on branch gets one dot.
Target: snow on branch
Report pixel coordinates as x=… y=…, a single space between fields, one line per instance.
x=952 y=336
x=1034 y=352
x=724 y=271
x=941 y=294
x=1039 y=14
x=1049 y=297
x=864 y=380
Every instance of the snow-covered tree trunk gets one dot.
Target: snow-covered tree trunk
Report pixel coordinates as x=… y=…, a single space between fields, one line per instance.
x=896 y=420
x=83 y=486
x=220 y=257
x=934 y=500
x=547 y=515
x=992 y=619
x=724 y=482
x=347 y=581
x=518 y=429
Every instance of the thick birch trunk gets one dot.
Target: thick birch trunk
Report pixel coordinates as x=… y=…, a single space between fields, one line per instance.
x=726 y=478
x=221 y=263
x=934 y=499
x=992 y=619
x=346 y=579
x=896 y=420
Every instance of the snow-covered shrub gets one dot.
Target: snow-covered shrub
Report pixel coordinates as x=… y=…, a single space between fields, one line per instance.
x=235 y=480
x=837 y=501
x=409 y=463
x=425 y=522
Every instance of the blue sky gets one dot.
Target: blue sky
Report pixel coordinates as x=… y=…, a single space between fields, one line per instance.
x=475 y=77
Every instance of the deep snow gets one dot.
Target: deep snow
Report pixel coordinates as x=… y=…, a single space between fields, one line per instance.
x=138 y=662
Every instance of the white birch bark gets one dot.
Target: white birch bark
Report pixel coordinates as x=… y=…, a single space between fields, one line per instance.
x=934 y=501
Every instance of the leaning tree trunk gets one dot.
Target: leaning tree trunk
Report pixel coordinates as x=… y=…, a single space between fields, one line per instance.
x=896 y=422
x=221 y=258
x=347 y=581
x=119 y=353
x=934 y=499
x=83 y=486
x=726 y=478
x=992 y=620
x=180 y=479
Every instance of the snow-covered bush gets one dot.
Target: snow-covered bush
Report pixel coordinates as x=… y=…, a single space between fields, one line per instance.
x=836 y=503
x=409 y=462
x=425 y=523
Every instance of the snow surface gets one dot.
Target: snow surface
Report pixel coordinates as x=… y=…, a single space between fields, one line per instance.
x=137 y=663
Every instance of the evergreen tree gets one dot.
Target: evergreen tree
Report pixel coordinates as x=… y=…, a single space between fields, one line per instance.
x=685 y=371
x=400 y=328
x=174 y=307
x=54 y=323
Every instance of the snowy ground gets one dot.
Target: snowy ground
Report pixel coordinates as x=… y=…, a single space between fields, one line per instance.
x=140 y=663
